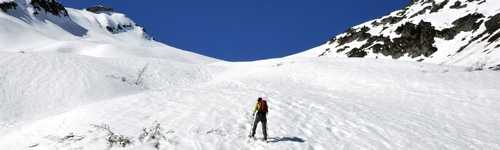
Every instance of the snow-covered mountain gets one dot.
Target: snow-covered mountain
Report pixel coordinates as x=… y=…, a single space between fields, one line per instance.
x=55 y=58
x=93 y=80
x=47 y=26
x=455 y=32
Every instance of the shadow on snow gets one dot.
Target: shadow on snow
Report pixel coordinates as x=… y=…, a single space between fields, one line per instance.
x=286 y=139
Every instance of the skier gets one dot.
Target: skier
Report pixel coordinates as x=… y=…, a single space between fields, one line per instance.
x=261 y=110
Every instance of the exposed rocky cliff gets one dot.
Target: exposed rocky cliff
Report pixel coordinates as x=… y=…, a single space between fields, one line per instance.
x=458 y=32
x=6 y=6
x=50 y=6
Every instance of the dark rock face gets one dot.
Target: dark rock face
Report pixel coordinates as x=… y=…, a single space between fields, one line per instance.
x=458 y=5
x=51 y=6
x=6 y=6
x=494 y=38
x=388 y=20
x=416 y=40
x=120 y=28
x=421 y=12
x=493 y=24
x=353 y=34
x=356 y=52
x=466 y=23
x=391 y=20
x=437 y=7
x=343 y=49
x=99 y=9
x=325 y=52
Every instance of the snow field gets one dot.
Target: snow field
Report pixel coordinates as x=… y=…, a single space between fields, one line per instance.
x=314 y=104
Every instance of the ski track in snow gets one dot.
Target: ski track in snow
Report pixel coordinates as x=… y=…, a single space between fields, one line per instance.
x=314 y=104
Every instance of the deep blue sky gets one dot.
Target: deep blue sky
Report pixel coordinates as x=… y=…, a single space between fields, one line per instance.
x=239 y=30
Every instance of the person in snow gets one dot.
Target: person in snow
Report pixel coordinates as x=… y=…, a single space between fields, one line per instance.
x=261 y=111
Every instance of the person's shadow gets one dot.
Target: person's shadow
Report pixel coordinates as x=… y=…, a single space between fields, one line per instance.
x=286 y=139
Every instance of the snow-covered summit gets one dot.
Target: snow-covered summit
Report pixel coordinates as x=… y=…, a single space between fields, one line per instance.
x=47 y=26
x=55 y=58
x=457 y=32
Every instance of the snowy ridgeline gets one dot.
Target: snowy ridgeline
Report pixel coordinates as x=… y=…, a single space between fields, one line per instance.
x=45 y=26
x=92 y=79
x=453 y=32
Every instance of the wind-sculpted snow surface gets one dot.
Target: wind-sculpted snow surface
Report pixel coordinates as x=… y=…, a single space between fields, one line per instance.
x=314 y=104
x=34 y=85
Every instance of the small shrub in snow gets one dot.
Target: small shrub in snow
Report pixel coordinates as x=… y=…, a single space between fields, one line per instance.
x=112 y=138
x=137 y=80
x=153 y=135
x=140 y=75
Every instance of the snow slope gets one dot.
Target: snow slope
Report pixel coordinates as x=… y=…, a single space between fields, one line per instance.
x=45 y=71
x=314 y=104
x=453 y=32
x=35 y=85
x=106 y=34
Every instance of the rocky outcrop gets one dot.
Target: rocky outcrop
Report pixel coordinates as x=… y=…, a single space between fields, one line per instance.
x=437 y=7
x=421 y=29
x=6 y=6
x=492 y=26
x=99 y=9
x=50 y=6
x=353 y=34
x=120 y=28
x=415 y=41
x=467 y=23
x=356 y=52
x=388 y=20
x=458 y=5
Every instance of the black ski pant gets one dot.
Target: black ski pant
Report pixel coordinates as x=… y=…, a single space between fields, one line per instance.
x=261 y=117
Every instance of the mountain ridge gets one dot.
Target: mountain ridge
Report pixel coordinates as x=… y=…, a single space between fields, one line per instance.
x=51 y=27
x=453 y=32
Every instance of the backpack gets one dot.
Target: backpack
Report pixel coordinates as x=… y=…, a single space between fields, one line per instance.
x=263 y=106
